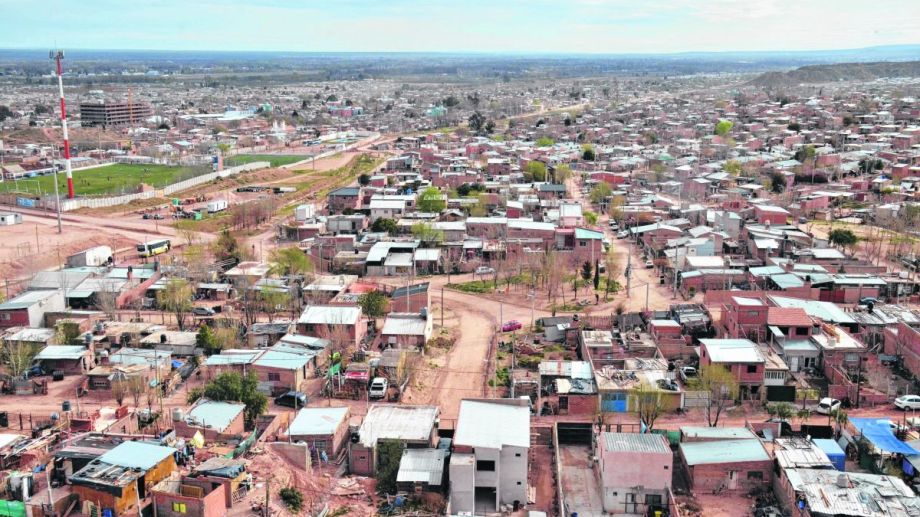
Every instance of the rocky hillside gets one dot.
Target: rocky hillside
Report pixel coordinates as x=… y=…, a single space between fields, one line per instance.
x=840 y=72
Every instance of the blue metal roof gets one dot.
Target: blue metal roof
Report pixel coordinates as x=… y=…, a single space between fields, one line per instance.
x=723 y=451
x=317 y=421
x=138 y=455
x=217 y=415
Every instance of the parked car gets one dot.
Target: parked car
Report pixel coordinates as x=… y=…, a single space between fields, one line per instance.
x=649 y=264
x=668 y=384
x=827 y=406
x=484 y=270
x=294 y=399
x=203 y=311
x=512 y=325
x=623 y=234
x=687 y=373
x=906 y=402
x=378 y=388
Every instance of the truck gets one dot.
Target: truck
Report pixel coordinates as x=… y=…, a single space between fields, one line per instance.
x=218 y=205
x=92 y=257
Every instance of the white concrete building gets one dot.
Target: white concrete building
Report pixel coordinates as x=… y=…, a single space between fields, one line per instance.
x=489 y=466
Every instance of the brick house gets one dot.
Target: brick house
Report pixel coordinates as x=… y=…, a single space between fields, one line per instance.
x=737 y=466
x=635 y=472
x=741 y=357
x=346 y=198
x=767 y=214
x=29 y=308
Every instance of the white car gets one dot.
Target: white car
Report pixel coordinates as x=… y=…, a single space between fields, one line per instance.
x=623 y=234
x=484 y=270
x=688 y=372
x=827 y=406
x=906 y=402
x=378 y=388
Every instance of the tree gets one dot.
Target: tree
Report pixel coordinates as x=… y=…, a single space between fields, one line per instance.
x=561 y=173
x=782 y=410
x=535 y=170
x=587 y=153
x=289 y=262
x=545 y=141
x=723 y=127
x=427 y=233
x=590 y=217
x=374 y=304
x=733 y=167
x=207 y=340
x=842 y=237
x=645 y=399
x=840 y=419
x=389 y=453
x=226 y=247
x=385 y=225
x=597 y=276
x=5 y=113
x=119 y=392
x=235 y=387
x=364 y=179
x=477 y=122
x=722 y=388
x=292 y=499
x=18 y=355
x=137 y=386
x=600 y=192
x=794 y=126
x=176 y=297
x=586 y=271
x=430 y=200
x=777 y=182
x=274 y=301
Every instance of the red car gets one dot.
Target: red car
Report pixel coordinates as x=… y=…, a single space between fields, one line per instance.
x=512 y=325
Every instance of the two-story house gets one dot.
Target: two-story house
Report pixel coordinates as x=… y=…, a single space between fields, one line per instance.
x=489 y=465
x=741 y=357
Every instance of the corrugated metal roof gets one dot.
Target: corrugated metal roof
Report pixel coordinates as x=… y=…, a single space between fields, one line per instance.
x=27 y=299
x=721 y=433
x=61 y=352
x=138 y=455
x=404 y=325
x=313 y=421
x=723 y=451
x=330 y=315
x=213 y=414
x=827 y=311
x=402 y=422
x=635 y=442
x=422 y=466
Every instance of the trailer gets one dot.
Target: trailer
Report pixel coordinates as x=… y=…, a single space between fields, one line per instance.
x=218 y=205
x=92 y=257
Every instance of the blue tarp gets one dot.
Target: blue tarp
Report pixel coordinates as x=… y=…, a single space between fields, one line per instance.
x=878 y=432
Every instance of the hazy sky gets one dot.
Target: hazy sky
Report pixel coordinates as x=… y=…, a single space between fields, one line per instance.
x=604 y=26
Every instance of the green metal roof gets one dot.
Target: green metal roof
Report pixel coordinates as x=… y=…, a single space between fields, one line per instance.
x=723 y=451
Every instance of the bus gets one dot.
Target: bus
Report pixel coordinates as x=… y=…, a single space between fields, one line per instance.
x=149 y=249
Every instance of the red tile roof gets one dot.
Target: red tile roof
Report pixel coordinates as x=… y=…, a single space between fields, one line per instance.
x=788 y=317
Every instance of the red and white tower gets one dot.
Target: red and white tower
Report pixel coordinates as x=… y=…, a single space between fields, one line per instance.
x=58 y=56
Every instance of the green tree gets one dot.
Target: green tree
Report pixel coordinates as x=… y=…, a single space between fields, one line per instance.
x=586 y=271
x=385 y=225
x=235 y=387
x=545 y=141
x=733 y=167
x=274 y=301
x=5 y=113
x=427 y=233
x=176 y=297
x=590 y=217
x=646 y=401
x=842 y=237
x=561 y=173
x=535 y=170
x=364 y=179
x=226 y=247
x=374 y=304
x=777 y=182
x=207 y=340
x=723 y=127
x=389 y=453
x=600 y=192
x=292 y=499
x=587 y=153
x=721 y=387
x=597 y=276
x=430 y=200
x=477 y=122
x=289 y=262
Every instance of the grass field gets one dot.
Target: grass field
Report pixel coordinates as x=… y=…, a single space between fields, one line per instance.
x=111 y=179
x=276 y=160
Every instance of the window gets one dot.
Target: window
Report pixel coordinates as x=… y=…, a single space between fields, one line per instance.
x=653 y=499
x=801 y=331
x=274 y=376
x=485 y=466
x=752 y=368
x=630 y=498
x=5 y=316
x=563 y=403
x=851 y=358
x=179 y=507
x=517 y=455
x=755 y=474
x=775 y=374
x=583 y=244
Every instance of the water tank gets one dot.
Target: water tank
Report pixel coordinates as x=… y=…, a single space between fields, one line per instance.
x=65 y=406
x=177 y=415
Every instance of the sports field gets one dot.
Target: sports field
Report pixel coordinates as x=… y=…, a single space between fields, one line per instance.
x=276 y=160
x=111 y=179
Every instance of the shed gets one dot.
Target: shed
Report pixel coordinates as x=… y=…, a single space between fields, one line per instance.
x=421 y=470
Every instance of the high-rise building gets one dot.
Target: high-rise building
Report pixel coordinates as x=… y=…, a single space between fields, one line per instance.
x=112 y=113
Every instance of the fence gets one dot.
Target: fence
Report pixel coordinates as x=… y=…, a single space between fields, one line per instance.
x=696 y=399
x=102 y=202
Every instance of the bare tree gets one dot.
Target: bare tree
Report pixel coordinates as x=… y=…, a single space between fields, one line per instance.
x=107 y=300
x=18 y=355
x=137 y=386
x=646 y=402
x=119 y=392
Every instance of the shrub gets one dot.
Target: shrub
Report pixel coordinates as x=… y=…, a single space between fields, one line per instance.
x=292 y=498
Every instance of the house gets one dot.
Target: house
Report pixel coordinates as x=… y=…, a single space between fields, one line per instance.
x=29 y=308
x=346 y=198
x=421 y=470
x=413 y=426
x=772 y=215
x=69 y=359
x=616 y=387
x=411 y=298
x=635 y=472
x=283 y=367
x=328 y=321
x=188 y=496
x=177 y=343
x=741 y=357
x=324 y=429
x=264 y=335
x=726 y=465
x=119 y=479
x=214 y=420
x=489 y=465
x=829 y=492
x=407 y=330
x=568 y=388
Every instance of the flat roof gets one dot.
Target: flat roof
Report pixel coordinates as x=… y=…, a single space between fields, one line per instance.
x=137 y=455
x=719 y=433
x=723 y=451
x=476 y=423
x=316 y=421
x=397 y=422
x=214 y=414
x=732 y=351
x=635 y=442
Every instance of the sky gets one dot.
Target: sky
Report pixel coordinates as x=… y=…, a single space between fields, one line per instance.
x=491 y=26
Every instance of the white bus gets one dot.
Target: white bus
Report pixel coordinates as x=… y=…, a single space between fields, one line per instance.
x=149 y=249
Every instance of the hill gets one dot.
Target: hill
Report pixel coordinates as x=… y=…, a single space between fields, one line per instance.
x=813 y=74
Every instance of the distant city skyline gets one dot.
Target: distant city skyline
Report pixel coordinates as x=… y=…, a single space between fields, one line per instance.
x=492 y=26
